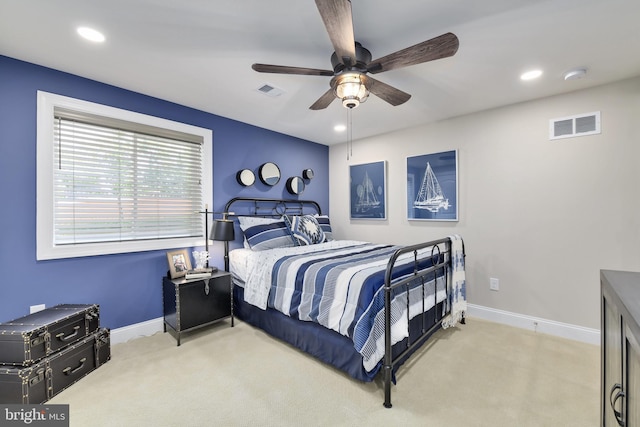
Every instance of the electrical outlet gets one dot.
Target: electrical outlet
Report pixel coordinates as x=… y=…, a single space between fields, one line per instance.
x=36 y=308
x=494 y=284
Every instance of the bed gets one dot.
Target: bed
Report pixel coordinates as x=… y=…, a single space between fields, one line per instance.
x=361 y=307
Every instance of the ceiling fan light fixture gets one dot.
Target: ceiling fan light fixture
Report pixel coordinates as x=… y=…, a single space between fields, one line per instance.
x=351 y=89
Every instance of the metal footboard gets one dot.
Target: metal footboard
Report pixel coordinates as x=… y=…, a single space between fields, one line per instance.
x=440 y=261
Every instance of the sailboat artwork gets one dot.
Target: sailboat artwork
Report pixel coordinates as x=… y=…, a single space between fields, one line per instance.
x=367 y=199
x=430 y=195
x=432 y=186
x=368 y=190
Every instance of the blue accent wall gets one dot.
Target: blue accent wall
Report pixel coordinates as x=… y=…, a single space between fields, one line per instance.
x=127 y=286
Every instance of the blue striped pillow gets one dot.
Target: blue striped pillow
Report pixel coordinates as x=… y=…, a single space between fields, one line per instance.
x=268 y=236
x=325 y=225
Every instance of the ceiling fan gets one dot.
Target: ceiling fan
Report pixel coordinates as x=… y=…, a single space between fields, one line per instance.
x=351 y=61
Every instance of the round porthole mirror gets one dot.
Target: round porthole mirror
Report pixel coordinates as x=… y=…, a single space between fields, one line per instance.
x=295 y=185
x=269 y=173
x=307 y=173
x=245 y=177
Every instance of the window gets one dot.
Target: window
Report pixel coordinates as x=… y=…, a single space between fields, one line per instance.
x=114 y=181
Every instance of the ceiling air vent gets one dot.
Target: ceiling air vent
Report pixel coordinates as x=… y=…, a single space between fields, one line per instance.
x=579 y=125
x=269 y=90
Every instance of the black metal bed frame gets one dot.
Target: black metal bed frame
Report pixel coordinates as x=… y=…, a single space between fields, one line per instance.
x=440 y=259
x=271 y=207
x=440 y=262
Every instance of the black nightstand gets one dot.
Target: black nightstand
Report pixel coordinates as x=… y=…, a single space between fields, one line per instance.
x=192 y=304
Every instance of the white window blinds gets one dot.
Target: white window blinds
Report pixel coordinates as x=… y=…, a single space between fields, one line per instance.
x=117 y=181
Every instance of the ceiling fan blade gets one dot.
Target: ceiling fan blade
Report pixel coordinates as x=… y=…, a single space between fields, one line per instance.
x=282 y=69
x=387 y=93
x=439 y=47
x=324 y=101
x=337 y=18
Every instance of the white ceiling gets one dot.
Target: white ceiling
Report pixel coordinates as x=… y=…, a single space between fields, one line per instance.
x=199 y=53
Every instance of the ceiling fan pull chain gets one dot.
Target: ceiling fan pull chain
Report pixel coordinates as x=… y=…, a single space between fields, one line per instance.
x=349 y=112
x=349 y=134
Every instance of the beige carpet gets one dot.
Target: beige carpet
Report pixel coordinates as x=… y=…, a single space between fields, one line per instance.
x=478 y=374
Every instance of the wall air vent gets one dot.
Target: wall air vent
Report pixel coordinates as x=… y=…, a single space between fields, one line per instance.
x=270 y=90
x=579 y=125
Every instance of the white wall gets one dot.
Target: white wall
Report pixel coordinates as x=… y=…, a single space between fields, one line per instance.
x=542 y=216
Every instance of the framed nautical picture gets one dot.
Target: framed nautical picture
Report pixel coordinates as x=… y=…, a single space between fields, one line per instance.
x=432 y=187
x=368 y=190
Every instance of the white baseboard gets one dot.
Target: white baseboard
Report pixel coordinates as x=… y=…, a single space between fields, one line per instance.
x=536 y=324
x=564 y=330
x=137 y=330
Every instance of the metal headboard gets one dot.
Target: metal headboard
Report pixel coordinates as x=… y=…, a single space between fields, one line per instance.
x=252 y=206
x=255 y=206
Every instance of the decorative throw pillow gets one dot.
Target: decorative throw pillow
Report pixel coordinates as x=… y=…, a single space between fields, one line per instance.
x=262 y=235
x=249 y=221
x=325 y=225
x=306 y=230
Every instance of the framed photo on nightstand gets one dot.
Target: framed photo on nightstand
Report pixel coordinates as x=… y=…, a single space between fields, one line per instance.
x=179 y=263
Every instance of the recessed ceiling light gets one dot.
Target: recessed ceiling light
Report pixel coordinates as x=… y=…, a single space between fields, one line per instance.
x=339 y=128
x=530 y=75
x=91 y=34
x=575 y=74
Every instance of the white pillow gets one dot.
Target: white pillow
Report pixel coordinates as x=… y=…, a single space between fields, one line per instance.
x=249 y=221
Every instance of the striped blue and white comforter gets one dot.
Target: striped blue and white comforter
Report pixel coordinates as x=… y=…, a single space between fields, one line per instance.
x=339 y=285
